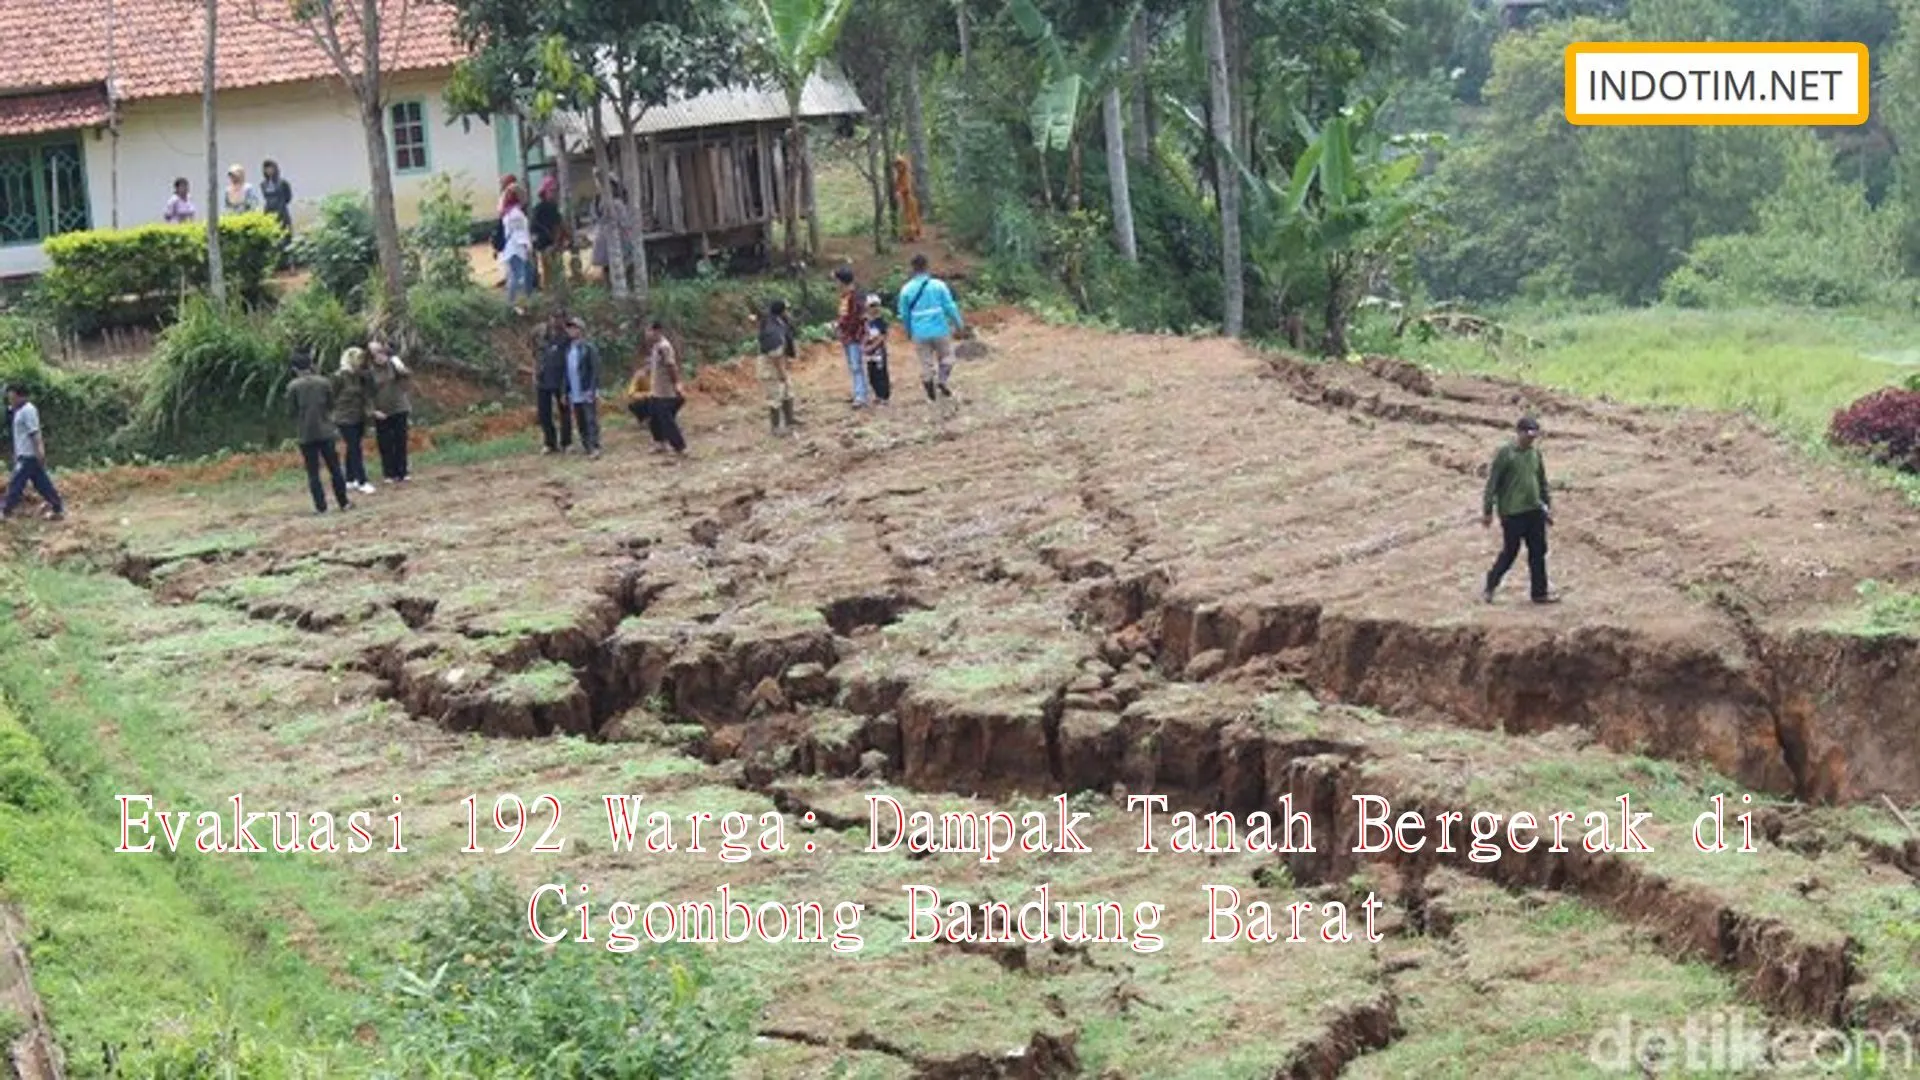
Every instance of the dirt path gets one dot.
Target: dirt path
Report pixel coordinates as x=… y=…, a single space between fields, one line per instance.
x=1128 y=564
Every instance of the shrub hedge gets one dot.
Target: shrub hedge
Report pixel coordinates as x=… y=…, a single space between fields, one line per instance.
x=115 y=277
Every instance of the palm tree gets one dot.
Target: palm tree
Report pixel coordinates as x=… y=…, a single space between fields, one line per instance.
x=798 y=34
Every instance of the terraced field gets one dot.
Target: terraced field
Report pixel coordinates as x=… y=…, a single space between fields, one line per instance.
x=1129 y=566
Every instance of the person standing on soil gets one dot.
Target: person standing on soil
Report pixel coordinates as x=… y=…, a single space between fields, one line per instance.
x=583 y=385
x=517 y=253
x=311 y=396
x=874 y=349
x=667 y=394
x=392 y=405
x=550 y=236
x=1517 y=491
x=352 y=394
x=776 y=350
x=851 y=325
x=928 y=311
x=29 y=458
x=550 y=385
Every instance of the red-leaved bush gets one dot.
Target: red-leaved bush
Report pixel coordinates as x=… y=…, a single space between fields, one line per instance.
x=1885 y=424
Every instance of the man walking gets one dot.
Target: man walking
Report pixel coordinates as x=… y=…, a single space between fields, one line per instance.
x=1517 y=491
x=550 y=385
x=932 y=319
x=666 y=393
x=29 y=458
x=311 y=396
x=583 y=385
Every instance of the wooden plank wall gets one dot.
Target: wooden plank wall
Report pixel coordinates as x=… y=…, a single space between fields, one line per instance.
x=712 y=181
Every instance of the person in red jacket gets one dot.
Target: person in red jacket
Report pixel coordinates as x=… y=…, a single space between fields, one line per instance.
x=852 y=330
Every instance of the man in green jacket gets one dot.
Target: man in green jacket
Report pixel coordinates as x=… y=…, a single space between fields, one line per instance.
x=1517 y=490
x=311 y=396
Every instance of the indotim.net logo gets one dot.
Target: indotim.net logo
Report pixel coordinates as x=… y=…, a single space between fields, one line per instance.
x=1667 y=82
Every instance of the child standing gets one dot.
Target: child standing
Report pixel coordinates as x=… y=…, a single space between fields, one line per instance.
x=776 y=350
x=874 y=347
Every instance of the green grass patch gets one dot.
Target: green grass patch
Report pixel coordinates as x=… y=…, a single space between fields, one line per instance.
x=1790 y=369
x=1884 y=612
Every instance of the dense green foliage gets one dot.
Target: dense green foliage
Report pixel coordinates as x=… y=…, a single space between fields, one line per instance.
x=116 y=277
x=474 y=996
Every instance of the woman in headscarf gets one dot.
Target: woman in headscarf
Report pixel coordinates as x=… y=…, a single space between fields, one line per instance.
x=392 y=404
x=240 y=196
x=353 y=391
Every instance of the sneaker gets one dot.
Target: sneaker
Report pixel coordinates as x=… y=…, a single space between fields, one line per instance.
x=54 y=515
x=1486 y=595
x=1551 y=598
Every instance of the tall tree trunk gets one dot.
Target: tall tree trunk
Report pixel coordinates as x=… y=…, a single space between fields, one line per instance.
x=630 y=173
x=966 y=42
x=1139 y=92
x=564 y=254
x=216 y=273
x=609 y=218
x=791 y=160
x=1122 y=193
x=1228 y=179
x=1075 y=155
x=386 y=223
x=386 y=220
x=813 y=200
x=887 y=151
x=874 y=175
x=917 y=138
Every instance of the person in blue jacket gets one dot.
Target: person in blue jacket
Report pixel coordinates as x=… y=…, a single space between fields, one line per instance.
x=932 y=320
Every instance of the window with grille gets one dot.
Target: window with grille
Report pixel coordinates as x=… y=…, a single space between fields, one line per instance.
x=409 y=136
x=43 y=189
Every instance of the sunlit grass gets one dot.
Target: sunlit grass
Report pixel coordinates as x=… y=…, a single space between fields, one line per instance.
x=1789 y=369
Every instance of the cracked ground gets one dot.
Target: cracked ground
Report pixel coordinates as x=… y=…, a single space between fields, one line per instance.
x=1129 y=565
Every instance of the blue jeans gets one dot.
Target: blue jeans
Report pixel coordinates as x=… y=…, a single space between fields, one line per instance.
x=29 y=470
x=519 y=278
x=857 y=367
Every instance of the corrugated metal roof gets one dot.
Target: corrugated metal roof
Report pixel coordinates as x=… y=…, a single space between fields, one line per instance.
x=828 y=93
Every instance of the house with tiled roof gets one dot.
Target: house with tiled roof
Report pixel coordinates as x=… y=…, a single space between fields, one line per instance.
x=100 y=111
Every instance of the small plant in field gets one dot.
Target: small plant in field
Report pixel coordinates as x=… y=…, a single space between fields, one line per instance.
x=1884 y=424
x=437 y=246
x=339 y=246
x=475 y=995
x=1889 y=611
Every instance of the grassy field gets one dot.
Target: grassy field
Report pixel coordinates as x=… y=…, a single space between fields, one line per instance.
x=1788 y=369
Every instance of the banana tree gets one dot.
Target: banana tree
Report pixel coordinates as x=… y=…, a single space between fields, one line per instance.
x=796 y=35
x=1354 y=206
x=1057 y=112
x=1349 y=208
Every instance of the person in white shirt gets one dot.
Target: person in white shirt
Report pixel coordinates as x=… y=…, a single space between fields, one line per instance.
x=29 y=457
x=517 y=252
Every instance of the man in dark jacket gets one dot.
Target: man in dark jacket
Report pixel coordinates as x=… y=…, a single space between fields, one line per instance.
x=311 y=396
x=583 y=384
x=550 y=385
x=1517 y=491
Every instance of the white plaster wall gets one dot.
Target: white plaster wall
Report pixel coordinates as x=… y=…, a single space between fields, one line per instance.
x=310 y=129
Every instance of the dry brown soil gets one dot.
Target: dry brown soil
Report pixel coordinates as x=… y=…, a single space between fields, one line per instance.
x=1127 y=565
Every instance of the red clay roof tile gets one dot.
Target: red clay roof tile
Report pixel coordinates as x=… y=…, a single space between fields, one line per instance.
x=159 y=44
x=53 y=110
